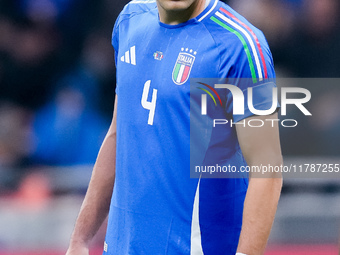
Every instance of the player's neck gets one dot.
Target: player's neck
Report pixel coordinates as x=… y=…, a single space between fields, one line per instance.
x=174 y=17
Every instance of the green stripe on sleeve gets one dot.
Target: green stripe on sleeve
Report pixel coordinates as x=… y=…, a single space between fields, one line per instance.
x=246 y=48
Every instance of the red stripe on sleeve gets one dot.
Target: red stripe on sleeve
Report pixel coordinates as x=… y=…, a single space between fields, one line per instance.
x=254 y=36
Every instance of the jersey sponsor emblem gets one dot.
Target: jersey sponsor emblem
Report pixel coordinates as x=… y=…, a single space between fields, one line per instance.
x=183 y=65
x=129 y=56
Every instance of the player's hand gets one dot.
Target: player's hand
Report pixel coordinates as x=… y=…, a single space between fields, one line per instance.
x=78 y=250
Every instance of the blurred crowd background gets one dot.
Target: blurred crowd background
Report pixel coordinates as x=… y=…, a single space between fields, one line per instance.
x=57 y=81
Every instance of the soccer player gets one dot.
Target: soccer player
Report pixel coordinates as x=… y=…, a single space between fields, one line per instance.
x=141 y=176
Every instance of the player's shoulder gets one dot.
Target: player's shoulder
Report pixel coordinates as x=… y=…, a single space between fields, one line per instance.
x=224 y=22
x=137 y=7
x=132 y=10
x=239 y=42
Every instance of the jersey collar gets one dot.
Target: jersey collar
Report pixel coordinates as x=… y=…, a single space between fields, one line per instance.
x=211 y=6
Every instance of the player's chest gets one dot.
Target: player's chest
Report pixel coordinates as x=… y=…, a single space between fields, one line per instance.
x=166 y=57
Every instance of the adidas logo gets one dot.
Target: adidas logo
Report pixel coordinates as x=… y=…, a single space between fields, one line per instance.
x=129 y=56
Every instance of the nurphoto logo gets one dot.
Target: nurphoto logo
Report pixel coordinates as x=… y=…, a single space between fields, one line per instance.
x=239 y=98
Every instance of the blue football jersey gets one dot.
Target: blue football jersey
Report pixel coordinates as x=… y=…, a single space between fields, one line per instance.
x=156 y=208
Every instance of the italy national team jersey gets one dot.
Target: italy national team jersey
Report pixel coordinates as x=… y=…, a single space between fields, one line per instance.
x=156 y=208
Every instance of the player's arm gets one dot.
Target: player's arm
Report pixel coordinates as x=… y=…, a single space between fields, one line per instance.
x=260 y=146
x=96 y=204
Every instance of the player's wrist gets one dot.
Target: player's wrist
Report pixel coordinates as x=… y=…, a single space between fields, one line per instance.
x=240 y=253
x=77 y=243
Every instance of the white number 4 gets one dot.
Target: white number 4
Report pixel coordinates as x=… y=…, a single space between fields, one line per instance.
x=151 y=106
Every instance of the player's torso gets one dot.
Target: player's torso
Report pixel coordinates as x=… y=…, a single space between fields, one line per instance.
x=154 y=193
x=155 y=62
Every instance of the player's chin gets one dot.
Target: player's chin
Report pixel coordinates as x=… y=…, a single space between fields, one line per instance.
x=176 y=5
